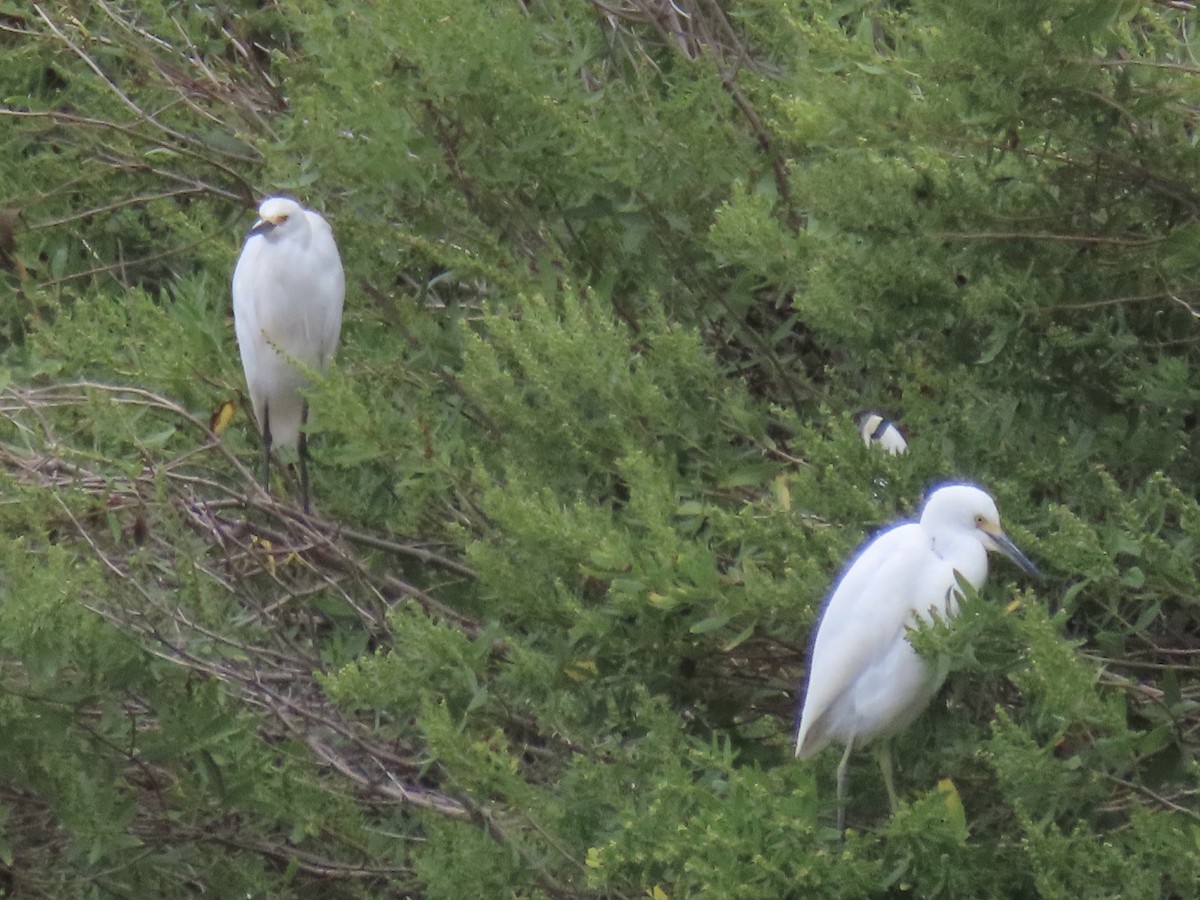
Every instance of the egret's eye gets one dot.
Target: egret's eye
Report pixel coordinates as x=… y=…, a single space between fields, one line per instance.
x=979 y=519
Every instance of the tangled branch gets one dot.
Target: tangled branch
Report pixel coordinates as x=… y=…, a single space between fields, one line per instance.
x=700 y=29
x=268 y=656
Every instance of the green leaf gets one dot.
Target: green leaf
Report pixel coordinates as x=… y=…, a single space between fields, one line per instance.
x=710 y=624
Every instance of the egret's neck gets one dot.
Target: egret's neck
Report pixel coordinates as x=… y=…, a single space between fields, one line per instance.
x=295 y=231
x=965 y=553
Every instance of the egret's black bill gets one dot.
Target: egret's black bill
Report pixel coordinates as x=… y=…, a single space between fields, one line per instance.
x=1009 y=549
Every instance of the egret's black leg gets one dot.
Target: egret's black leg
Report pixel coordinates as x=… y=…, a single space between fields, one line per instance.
x=885 y=768
x=302 y=447
x=842 y=778
x=266 y=438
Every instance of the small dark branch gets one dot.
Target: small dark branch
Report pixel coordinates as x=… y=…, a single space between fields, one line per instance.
x=248 y=190
x=1159 y=799
x=1084 y=239
x=698 y=29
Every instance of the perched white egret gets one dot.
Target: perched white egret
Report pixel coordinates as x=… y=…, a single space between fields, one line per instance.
x=865 y=680
x=875 y=429
x=288 y=289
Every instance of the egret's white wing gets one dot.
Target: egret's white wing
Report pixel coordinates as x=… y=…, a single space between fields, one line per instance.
x=893 y=441
x=325 y=318
x=246 y=324
x=867 y=613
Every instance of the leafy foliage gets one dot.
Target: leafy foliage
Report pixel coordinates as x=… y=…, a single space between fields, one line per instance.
x=620 y=276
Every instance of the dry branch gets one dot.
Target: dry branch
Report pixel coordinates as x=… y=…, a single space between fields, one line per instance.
x=265 y=555
x=252 y=539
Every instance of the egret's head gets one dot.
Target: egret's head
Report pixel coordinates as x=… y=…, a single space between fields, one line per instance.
x=275 y=213
x=871 y=425
x=876 y=430
x=966 y=507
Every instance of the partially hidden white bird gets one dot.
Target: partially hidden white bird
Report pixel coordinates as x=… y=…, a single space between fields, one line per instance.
x=877 y=430
x=288 y=289
x=865 y=680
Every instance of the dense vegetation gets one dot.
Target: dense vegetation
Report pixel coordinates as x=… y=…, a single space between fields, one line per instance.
x=620 y=275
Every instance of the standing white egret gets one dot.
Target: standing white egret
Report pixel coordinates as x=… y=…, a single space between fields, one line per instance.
x=864 y=678
x=288 y=289
x=875 y=429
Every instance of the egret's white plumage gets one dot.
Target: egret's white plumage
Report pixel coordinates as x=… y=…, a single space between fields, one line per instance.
x=877 y=430
x=288 y=289
x=864 y=678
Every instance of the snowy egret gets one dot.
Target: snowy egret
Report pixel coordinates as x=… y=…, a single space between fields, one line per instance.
x=864 y=678
x=288 y=288
x=875 y=429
